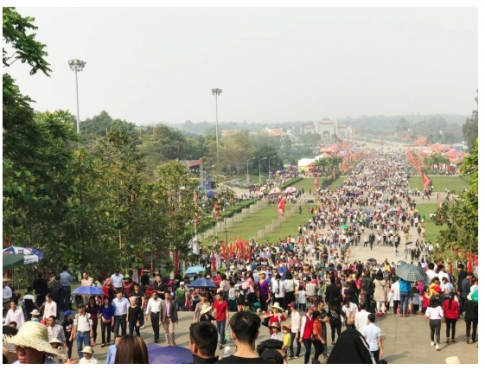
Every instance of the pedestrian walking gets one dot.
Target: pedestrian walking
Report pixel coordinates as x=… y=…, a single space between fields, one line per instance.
x=372 y=335
x=221 y=313
x=153 y=310
x=120 y=305
x=168 y=318
x=106 y=315
x=451 y=311
x=82 y=329
x=434 y=313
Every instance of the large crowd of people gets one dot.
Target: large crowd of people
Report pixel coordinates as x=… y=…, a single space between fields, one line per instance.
x=306 y=290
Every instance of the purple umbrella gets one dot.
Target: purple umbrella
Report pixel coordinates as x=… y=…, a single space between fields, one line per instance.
x=169 y=355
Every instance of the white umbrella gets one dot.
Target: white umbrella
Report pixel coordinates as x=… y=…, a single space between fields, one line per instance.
x=291 y=190
x=275 y=190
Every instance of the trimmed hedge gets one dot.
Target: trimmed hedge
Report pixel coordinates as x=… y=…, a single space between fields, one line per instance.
x=290 y=182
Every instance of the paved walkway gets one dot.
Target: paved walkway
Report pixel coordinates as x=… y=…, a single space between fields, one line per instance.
x=406 y=341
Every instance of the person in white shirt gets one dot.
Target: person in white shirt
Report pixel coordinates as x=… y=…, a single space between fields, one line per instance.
x=372 y=335
x=154 y=309
x=88 y=356
x=82 y=329
x=15 y=315
x=434 y=313
x=278 y=290
x=446 y=286
x=396 y=294
x=295 y=331
x=431 y=274
x=361 y=318
x=117 y=279
x=50 y=307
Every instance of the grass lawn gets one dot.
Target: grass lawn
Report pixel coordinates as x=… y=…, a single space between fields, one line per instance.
x=432 y=230
x=440 y=183
x=251 y=224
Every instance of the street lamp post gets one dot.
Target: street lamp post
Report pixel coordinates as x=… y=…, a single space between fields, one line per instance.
x=216 y=92
x=77 y=65
x=247 y=170
x=260 y=167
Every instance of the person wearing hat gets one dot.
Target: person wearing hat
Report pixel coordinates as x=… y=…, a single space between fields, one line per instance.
x=32 y=344
x=117 y=279
x=127 y=286
x=276 y=333
x=182 y=296
x=471 y=318
x=59 y=347
x=88 y=358
x=35 y=315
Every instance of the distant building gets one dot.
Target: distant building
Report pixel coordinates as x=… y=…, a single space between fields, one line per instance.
x=325 y=127
x=226 y=133
x=309 y=129
x=344 y=131
x=273 y=132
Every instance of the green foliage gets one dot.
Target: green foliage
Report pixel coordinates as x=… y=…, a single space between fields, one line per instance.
x=25 y=47
x=460 y=212
x=470 y=129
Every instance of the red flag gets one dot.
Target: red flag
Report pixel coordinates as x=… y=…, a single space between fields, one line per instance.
x=475 y=260
x=317 y=181
x=248 y=250
x=281 y=207
x=243 y=250
x=223 y=250
x=426 y=181
x=231 y=249
x=469 y=265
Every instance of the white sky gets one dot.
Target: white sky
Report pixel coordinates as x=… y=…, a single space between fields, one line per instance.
x=273 y=64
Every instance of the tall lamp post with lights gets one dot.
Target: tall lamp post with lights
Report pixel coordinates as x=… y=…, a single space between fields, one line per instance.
x=77 y=65
x=216 y=92
x=262 y=159
x=247 y=170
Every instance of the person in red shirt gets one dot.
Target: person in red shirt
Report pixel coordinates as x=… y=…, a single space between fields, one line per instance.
x=451 y=311
x=221 y=313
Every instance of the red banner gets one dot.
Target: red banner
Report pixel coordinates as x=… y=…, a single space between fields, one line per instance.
x=281 y=207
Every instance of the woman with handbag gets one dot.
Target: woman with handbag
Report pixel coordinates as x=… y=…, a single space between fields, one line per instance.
x=350 y=309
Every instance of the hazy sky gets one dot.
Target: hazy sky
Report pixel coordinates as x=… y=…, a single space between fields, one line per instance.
x=273 y=64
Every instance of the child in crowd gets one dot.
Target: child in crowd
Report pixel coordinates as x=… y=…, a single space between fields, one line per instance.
x=415 y=300
x=286 y=338
x=301 y=299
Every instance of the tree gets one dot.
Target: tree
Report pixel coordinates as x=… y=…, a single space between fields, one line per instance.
x=470 y=129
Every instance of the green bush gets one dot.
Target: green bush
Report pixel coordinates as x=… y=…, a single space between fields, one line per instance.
x=289 y=183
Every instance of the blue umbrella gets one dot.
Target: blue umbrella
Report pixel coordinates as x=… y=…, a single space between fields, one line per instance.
x=282 y=270
x=202 y=283
x=210 y=194
x=194 y=270
x=169 y=355
x=87 y=290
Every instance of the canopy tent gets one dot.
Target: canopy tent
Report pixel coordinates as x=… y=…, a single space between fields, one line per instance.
x=11 y=261
x=30 y=255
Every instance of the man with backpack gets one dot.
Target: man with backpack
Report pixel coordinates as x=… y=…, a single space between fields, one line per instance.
x=82 y=329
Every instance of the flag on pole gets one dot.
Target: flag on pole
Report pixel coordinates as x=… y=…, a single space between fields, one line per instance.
x=438 y=197
x=317 y=181
x=223 y=250
x=281 y=207
x=231 y=249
